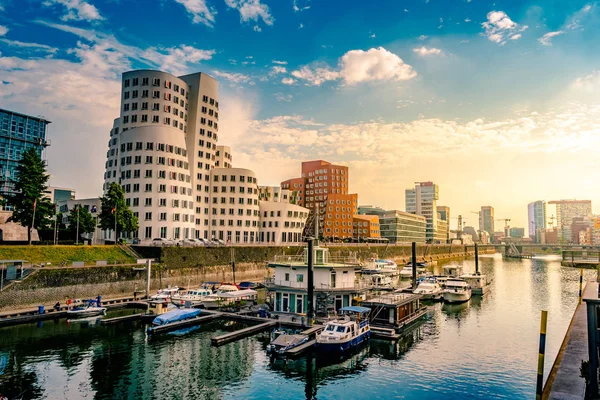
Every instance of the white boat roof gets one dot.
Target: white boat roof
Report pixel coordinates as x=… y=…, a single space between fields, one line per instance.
x=230 y=288
x=239 y=293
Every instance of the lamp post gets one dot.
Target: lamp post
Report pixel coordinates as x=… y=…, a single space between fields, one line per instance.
x=55 y=221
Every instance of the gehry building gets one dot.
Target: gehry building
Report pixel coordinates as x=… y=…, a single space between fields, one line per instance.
x=162 y=150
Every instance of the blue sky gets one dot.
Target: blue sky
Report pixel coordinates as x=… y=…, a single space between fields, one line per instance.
x=494 y=101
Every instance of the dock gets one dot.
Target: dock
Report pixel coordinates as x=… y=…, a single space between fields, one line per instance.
x=384 y=333
x=242 y=333
x=296 y=351
x=185 y=323
x=116 y=320
x=580 y=258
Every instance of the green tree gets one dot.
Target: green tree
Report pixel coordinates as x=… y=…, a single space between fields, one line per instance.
x=114 y=208
x=80 y=216
x=30 y=186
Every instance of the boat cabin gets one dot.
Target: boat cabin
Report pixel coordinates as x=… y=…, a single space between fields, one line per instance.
x=336 y=283
x=395 y=310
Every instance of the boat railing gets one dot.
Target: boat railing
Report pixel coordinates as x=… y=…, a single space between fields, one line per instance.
x=350 y=259
x=357 y=285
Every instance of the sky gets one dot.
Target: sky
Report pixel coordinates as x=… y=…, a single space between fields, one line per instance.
x=495 y=101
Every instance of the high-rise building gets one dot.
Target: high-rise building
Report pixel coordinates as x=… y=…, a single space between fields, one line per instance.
x=422 y=200
x=444 y=215
x=486 y=220
x=536 y=219
x=517 y=233
x=325 y=185
x=223 y=157
x=162 y=149
x=566 y=210
x=18 y=133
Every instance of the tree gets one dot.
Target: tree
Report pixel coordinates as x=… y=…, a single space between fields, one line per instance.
x=114 y=209
x=30 y=186
x=80 y=216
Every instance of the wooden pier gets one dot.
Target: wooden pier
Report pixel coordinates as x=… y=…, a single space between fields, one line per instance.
x=580 y=258
x=185 y=323
x=242 y=333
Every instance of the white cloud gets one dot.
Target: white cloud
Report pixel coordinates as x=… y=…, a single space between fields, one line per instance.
x=283 y=97
x=372 y=36
x=251 y=10
x=424 y=51
x=176 y=59
x=278 y=70
x=199 y=11
x=257 y=28
x=301 y=26
x=357 y=66
x=30 y=46
x=546 y=40
x=467 y=20
x=279 y=62
x=299 y=8
x=232 y=77
x=499 y=27
x=515 y=37
x=589 y=83
x=422 y=37
x=77 y=10
x=288 y=81
x=3 y=30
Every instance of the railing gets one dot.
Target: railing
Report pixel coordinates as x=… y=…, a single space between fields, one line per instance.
x=344 y=286
x=295 y=259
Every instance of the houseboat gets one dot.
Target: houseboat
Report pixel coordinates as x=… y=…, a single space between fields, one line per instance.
x=346 y=332
x=336 y=284
x=478 y=283
x=395 y=311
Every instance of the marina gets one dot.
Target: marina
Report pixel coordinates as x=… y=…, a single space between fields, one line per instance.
x=448 y=337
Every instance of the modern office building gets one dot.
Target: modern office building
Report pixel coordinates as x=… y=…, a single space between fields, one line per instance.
x=566 y=211
x=517 y=233
x=370 y=210
x=444 y=215
x=366 y=226
x=18 y=133
x=162 y=150
x=402 y=227
x=281 y=223
x=422 y=200
x=536 y=219
x=325 y=185
x=274 y=193
x=56 y=194
x=223 y=157
x=93 y=205
x=486 y=220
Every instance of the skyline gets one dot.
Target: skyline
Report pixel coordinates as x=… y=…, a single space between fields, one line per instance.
x=497 y=110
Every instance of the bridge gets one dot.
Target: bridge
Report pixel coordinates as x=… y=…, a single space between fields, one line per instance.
x=571 y=253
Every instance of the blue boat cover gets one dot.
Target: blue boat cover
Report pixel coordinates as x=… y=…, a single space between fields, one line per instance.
x=176 y=315
x=356 y=309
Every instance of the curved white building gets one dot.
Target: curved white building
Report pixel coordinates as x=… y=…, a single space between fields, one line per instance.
x=281 y=223
x=162 y=149
x=234 y=205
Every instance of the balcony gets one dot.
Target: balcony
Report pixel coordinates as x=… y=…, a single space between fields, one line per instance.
x=271 y=283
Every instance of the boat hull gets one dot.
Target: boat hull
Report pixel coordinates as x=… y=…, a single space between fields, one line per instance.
x=86 y=313
x=338 y=346
x=456 y=297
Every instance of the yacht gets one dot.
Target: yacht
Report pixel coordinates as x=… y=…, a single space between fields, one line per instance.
x=406 y=272
x=229 y=295
x=194 y=297
x=165 y=294
x=91 y=309
x=380 y=266
x=478 y=283
x=381 y=281
x=429 y=290
x=456 y=291
x=346 y=332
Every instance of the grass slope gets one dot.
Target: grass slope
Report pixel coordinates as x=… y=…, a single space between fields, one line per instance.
x=59 y=254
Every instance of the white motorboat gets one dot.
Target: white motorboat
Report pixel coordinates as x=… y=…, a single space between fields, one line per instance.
x=456 y=291
x=346 y=332
x=429 y=290
x=381 y=281
x=194 y=297
x=478 y=283
x=229 y=295
x=406 y=272
x=92 y=309
x=380 y=266
x=165 y=294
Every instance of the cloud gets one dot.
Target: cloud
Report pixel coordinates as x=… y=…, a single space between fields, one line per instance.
x=288 y=81
x=232 y=77
x=467 y=20
x=301 y=26
x=589 y=83
x=251 y=10
x=3 y=30
x=356 y=66
x=499 y=27
x=423 y=51
x=299 y=8
x=199 y=11
x=283 y=97
x=279 y=62
x=422 y=37
x=372 y=36
x=77 y=10
x=546 y=40
x=257 y=28
x=575 y=21
x=277 y=70
x=30 y=46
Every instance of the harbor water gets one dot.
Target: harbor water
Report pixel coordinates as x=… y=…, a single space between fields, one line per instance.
x=486 y=348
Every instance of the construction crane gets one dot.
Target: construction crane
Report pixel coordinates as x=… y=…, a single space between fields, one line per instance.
x=551 y=223
x=506 y=226
x=460 y=226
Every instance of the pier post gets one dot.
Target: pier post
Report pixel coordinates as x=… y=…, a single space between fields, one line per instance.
x=580 y=283
x=476 y=259
x=310 y=281
x=542 y=351
x=414 y=265
x=592 y=329
x=148 y=275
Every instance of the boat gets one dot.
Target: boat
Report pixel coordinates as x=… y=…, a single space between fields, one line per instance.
x=177 y=315
x=381 y=281
x=190 y=298
x=450 y=271
x=380 y=266
x=429 y=289
x=91 y=309
x=228 y=298
x=284 y=341
x=478 y=283
x=456 y=291
x=407 y=272
x=165 y=294
x=346 y=332
x=420 y=264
